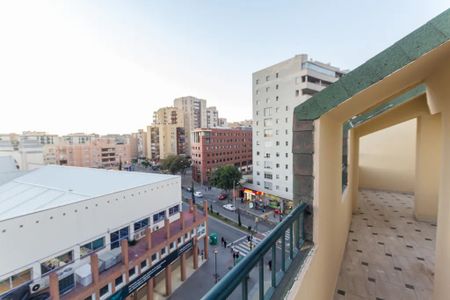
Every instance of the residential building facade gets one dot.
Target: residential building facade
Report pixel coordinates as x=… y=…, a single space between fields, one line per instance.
x=276 y=91
x=166 y=136
x=194 y=116
x=212 y=117
x=215 y=147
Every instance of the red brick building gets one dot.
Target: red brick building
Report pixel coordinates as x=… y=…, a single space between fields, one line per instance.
x=215 y=147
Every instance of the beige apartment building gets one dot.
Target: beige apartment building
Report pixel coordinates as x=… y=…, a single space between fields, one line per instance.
x=194 y=115
x=166 y=136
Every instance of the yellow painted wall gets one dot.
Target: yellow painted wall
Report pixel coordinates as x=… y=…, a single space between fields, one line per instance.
x=332 y=213
x=387 y=158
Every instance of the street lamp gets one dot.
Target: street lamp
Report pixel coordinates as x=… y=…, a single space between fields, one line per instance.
x=216 y=276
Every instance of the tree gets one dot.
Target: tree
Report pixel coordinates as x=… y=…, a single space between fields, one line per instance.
x=226 y=177
x=175 y=164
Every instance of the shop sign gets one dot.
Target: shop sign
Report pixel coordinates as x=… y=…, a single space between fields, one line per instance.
x=138 y=282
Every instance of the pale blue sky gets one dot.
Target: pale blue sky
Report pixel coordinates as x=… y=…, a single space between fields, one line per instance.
x=105 y=66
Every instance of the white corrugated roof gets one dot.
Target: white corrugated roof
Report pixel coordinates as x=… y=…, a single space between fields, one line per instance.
x=53 y=186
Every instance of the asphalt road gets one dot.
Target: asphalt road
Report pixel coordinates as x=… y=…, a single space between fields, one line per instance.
x=203 y=279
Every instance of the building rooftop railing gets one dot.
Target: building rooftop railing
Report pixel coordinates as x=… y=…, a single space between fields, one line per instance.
x=290 y=230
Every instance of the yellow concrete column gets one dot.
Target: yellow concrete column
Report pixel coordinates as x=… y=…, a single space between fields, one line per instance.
x=428 y=162
x=125 y=259
x=150 y=289
x=95 y=272
x=438 y=97
x=195 y=254
x=168 y=273
x=54 y=286
x=183 y=266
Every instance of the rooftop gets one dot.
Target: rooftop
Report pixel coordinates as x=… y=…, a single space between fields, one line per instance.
x=53 y=186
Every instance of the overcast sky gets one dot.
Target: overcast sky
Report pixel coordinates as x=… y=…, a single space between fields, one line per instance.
x=105 y=66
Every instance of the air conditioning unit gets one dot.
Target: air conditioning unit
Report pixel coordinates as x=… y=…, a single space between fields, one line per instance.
x=139 y=235
x=65 y=272
x=39 y=285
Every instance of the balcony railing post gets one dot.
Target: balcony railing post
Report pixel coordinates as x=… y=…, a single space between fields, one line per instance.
x=297 y=232
x=245 y=288
x=283 y=252
x=274 y=265
x=291 y=241
x=261 y=278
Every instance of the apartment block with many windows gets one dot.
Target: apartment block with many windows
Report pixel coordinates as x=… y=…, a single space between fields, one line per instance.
x=215 y=147
x=276 y=91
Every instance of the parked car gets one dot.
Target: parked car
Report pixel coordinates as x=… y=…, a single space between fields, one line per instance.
x=189 y=189
x=223 y=196
x=229 y=207
x=198 y=194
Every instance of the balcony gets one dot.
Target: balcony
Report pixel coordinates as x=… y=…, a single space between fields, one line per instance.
x=283 y=251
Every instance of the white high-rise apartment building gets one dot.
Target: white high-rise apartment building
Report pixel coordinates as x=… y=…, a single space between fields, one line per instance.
x=277 y=90
x=212 y=117
x=194 y=111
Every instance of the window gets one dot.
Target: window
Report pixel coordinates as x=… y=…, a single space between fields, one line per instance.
x=257 y=81
x=118 y=281
x=159 y=216
x=172 y=246
x=257 y=102
x=92 y=246
x=287 y=190
x=267 y=78
x=277 y=176
x=287 y=143
x=154 y=257
x=268 y=185
x=141 y=224
x=277 y=143
x=267 y=132
x=277 y=154
x=276 y=75
x=297 y=93
x=286 y=178
x=286 y=166
x=268 y=175
x=117 y=236
x=267 y=155
x=15 y=280
x=276 y=87
x=267 y=89
x=286 y=120
x=267 y=111
x=143 y=264
x=257 y=153
x=104 y=291
x=286 y=154
x=287 y=107
x=163 y=251
x=276 y=98
x=277 y=165
x=174 y=209
x=57 y=262
x=267 y=122
x=267 y=100
x=257 y=91
x=132 y=272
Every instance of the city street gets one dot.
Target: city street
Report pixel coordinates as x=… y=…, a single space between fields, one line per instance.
x=203 y=279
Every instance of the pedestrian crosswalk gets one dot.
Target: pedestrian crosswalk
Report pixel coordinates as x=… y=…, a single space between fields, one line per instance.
x=243 y=246
x=287 y=238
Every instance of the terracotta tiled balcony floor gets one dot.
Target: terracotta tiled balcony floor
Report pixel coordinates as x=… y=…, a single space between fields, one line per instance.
x=389 y=255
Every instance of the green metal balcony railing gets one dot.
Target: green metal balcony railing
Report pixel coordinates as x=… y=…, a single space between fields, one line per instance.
x=274 y=242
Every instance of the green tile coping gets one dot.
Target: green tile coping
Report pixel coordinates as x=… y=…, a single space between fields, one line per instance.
x=422 y=40
x=405 y=97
